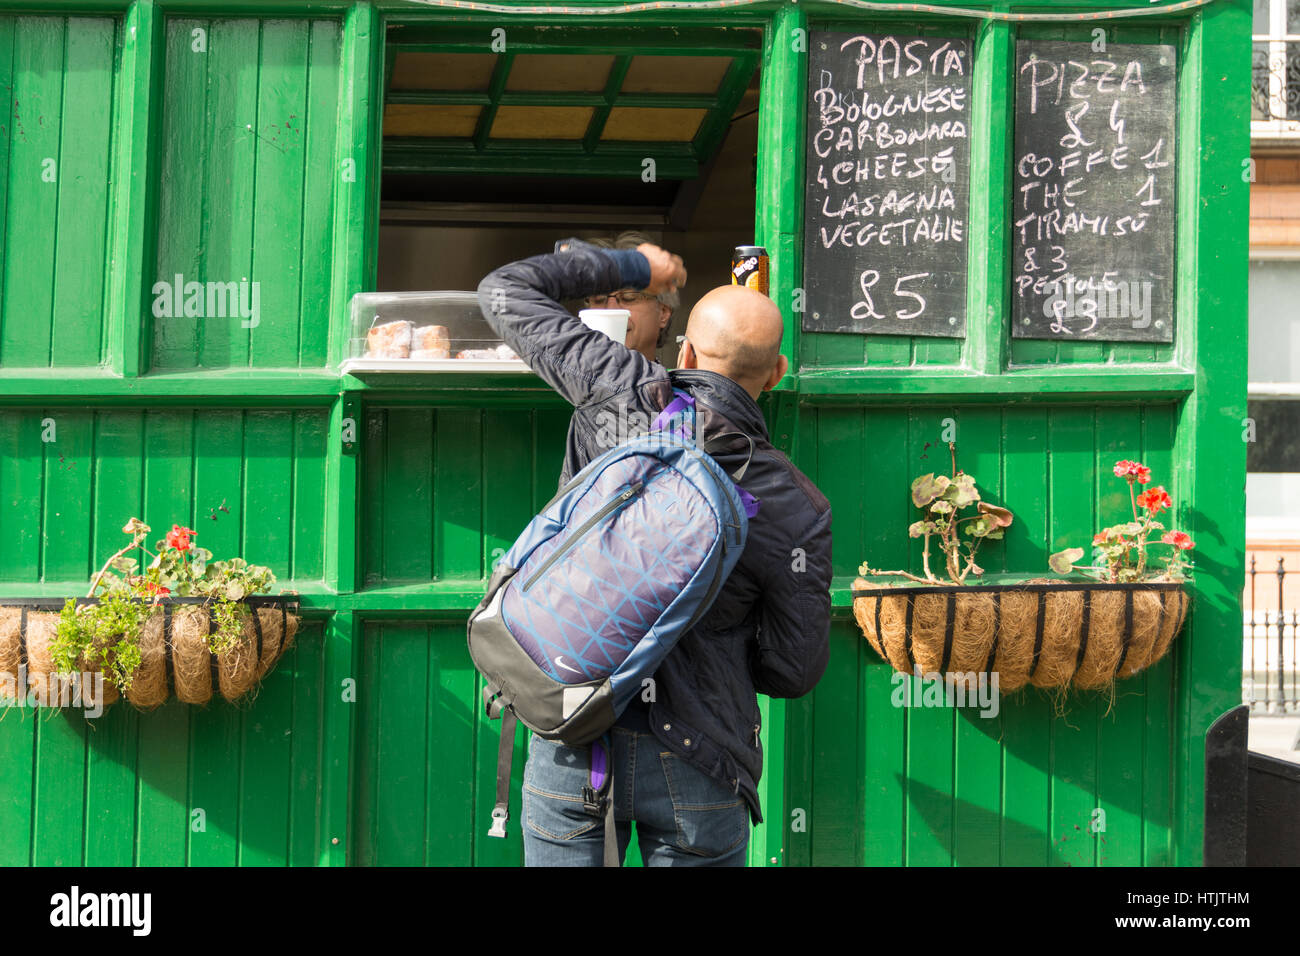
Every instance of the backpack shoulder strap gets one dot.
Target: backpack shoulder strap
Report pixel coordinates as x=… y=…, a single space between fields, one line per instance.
x=598 y=795
x=679 y=416
x=505 y=760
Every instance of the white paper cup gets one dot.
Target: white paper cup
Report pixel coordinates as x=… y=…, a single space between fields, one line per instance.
x=612 y=322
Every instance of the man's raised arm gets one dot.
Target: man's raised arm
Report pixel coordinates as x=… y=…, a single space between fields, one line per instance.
x=521 y=301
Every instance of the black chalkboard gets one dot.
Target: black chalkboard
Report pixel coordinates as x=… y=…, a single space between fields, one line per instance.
x=1092 y=192
x=887 y=191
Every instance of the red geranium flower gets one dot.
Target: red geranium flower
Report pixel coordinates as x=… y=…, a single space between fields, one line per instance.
x=153 y=588
x=1099 y=538
x=179 y=538
x=1155 y=499
x=1133 y=469
x=1178 y=539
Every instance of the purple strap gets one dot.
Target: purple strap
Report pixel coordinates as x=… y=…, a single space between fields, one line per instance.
x=599 y=765
x=678 y=404
x=681 y=401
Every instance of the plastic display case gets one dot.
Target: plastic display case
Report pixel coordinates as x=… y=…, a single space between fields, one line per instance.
x=424 y=332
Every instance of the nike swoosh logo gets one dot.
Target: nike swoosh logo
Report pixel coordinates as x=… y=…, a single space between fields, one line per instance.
x=559 y=662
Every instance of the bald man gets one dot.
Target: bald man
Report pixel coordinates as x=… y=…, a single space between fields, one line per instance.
x=686 y=762
x=736 y=332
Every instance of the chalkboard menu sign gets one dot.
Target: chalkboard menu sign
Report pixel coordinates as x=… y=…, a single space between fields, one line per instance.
x=1093 y=192
x=887 y=191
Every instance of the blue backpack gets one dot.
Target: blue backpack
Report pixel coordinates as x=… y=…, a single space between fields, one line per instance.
x=593 y=595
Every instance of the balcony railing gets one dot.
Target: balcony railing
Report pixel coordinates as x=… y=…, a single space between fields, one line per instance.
x=1268 y=666
x=1275 y=84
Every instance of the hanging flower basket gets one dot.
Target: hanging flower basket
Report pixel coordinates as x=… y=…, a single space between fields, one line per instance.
x=1050 y=634
x=174 y=651
x=1060 y=633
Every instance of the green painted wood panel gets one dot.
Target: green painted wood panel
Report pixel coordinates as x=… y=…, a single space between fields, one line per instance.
x=220 y=785
x=976 y=756
x=246 y=205
x=426 y=754
x=442 y=493
x=250 y=482
x=56 y=87
x=883 y=784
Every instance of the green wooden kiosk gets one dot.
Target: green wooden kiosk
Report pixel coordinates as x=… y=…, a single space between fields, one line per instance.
x=161 y=141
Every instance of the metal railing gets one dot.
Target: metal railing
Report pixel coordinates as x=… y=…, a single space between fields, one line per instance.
x=1275 y=81
x=1268 y=668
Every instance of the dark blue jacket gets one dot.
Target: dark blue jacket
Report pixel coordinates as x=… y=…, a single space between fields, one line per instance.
x=767 y=632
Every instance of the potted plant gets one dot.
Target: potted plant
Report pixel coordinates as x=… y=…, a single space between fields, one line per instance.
x=183 y=623
x=1116 y=618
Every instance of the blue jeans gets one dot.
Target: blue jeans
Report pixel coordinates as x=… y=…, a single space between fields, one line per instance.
x=683 y=816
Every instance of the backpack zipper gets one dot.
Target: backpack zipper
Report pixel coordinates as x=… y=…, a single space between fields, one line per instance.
x=609 y=506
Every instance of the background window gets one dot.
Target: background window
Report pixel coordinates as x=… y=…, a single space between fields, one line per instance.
x=1275 y=86
x=1273 y=459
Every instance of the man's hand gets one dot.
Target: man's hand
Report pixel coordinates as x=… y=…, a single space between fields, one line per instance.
x=667 y=273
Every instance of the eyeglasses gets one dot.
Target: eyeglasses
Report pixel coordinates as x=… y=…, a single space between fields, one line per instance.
x=622 y=298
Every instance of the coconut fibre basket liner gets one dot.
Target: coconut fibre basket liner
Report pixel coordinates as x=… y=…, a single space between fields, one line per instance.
x=1052 y=635
x=173 y=650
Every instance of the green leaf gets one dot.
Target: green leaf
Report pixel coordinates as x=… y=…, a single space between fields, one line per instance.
x=1000 y=517
x=235 y=590
x=919 y=528
x=941 y=507
x=927 y=488
x=962 y=491
x=136 y=526
x=1063 y=561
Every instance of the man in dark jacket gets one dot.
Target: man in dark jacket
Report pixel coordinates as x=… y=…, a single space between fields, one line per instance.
x=686 y=755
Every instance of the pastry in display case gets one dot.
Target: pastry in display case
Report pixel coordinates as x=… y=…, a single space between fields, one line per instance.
x=424 y=331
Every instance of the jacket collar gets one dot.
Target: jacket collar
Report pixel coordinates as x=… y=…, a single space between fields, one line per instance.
x=725 y=396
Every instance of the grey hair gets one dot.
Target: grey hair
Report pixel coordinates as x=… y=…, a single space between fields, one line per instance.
x=630 y=240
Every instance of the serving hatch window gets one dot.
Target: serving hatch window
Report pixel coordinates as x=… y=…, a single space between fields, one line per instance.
x=497 y=145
